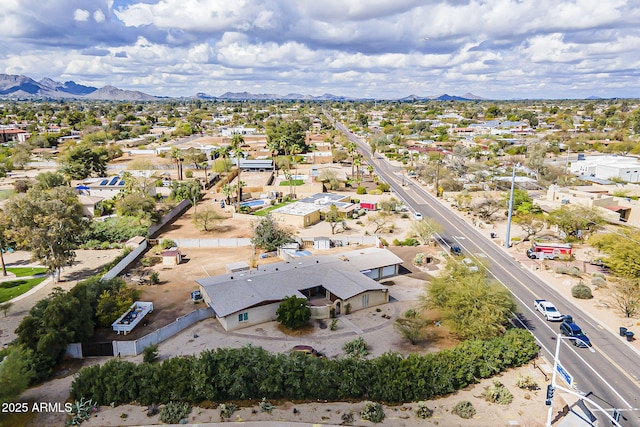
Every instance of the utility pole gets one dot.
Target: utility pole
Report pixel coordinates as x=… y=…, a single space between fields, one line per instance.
x=438 y=175
x=507 y=242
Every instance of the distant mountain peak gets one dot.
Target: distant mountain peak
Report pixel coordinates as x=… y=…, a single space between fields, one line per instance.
x=25 y=87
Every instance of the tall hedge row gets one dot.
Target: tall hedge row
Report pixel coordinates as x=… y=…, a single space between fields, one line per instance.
x=252 y=373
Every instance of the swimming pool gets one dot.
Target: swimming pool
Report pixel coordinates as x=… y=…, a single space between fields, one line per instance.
x=253 y=203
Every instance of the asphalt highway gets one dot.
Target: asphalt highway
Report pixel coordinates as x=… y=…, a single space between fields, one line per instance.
x=610 y=376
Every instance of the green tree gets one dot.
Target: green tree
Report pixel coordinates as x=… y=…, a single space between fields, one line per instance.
x=207 y=218
x=49 y=180
x=138 y=205
x=189 y=190
x=576 y=221
x=48 y=223
x=83 y=160
x=112 y=303
x=237 y=140
x=285 y=134
x=268 y=236
x=293 y=312
x=530 y=223
x=15 y=373
x=470 y=304
x=626 y=296
x=622 y=250
x=425 y=229
x=20 y=156
x=333 y=217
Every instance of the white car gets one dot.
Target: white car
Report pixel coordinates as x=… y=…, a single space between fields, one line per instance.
x=470 y=265
x=548 y=310
x=417 y=216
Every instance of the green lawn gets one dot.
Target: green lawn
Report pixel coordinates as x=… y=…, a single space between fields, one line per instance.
x=265 y=211
x=14 y=288
x=295 y=183
x=26 y=271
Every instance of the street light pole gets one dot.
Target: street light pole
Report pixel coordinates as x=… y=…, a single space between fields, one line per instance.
x=554 y=386
x=507 y=242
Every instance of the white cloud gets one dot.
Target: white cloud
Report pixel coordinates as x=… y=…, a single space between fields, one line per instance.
x=81 y=15
x=98 y=16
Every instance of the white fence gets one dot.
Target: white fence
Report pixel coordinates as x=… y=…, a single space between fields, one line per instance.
x=170 y=216
x=212 y=243
x=133 y=348
x=124 y=262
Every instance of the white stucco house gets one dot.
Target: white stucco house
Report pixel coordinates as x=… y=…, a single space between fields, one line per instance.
x=626 y=168
x=328 y=282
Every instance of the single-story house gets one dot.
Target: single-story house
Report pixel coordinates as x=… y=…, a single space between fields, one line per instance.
x=306 y=212
x=329 y=282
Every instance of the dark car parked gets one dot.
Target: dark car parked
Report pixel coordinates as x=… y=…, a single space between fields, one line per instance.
x=456 y=250
x=570 y=329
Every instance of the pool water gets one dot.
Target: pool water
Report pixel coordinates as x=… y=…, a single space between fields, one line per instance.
x=252 y=203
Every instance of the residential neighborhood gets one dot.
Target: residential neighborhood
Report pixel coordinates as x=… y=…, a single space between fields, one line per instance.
x=229 y=224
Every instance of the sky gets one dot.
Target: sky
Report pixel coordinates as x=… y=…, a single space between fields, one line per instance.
x=385 y=49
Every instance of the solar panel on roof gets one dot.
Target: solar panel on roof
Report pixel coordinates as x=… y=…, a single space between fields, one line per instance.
x=114 y=180
x=104 y=182
x=121 y=183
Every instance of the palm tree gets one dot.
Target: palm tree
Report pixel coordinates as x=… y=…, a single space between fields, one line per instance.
x=227 y=189
x=236 y=148
x=357 y=162
x=223 y=153
x=295 y=149
x=351 y=149
x=177 y=156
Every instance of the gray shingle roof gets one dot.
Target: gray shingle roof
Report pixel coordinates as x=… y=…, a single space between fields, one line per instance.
x=338 y=273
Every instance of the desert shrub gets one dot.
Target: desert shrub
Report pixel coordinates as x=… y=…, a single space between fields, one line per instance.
x=411 y=313
x=226 y=410
x=422 y=411
x=419 y=259
x=356 y=348
x=167 y=243
x=376 y=192
x=581 y=291
x=347 y=308
x=152 y=410
x=383 y=242
x=383 y=187
x=347 y=417
x=188 y=174
x=599 y=282
x=570 y=271
x=173 y=412
x=373 y=412
x=150 y=354
x=334 y=324
x=404 y=216
x=527 y=383
x=498 y=393
x=266 y=406
x=406 y=242
x=154 y=277
x=361 y=190
x=464 y=409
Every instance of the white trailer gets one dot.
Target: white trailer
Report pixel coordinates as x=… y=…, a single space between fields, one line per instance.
x=132 y=317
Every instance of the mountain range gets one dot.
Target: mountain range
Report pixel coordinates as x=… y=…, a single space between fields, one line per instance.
x=23 y=87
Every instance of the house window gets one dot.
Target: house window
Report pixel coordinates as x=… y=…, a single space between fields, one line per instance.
x=365 y=300
x=243 y=317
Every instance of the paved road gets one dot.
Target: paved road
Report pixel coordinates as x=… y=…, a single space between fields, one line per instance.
x=610 y=376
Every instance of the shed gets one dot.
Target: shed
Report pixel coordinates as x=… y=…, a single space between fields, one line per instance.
x=171 y=257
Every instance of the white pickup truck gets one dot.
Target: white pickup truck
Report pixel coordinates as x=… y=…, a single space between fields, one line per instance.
x=548 y=310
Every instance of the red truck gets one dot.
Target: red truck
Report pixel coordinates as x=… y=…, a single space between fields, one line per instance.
x=548 y=250
x=369 y=206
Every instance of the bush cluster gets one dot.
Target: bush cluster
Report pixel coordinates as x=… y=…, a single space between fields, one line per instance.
x=527 y=382
x=599 y=282
x=356 y=348
x=423 y=411
x=498 y=393
x=173 y=412
x=569 y=271
x=464 y=409
x=373 y=412
x=406 y=242
x=581 y=291
x=247 y=373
